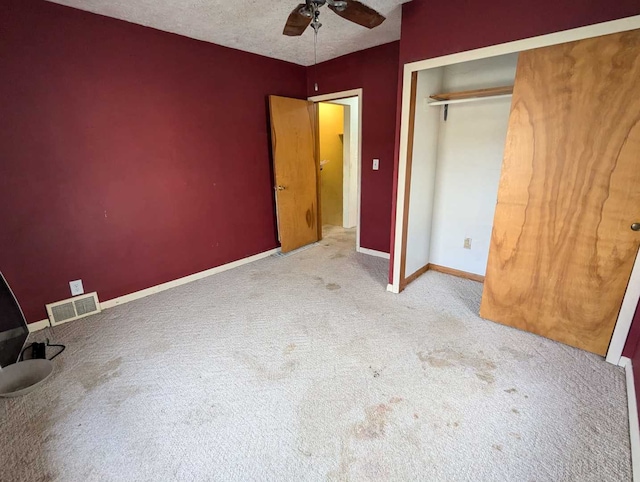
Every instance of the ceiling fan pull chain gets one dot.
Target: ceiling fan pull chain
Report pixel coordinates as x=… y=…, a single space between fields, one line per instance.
x=315 y=59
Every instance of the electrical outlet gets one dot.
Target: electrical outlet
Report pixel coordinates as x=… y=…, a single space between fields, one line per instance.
x=467 y=243
x=76 y=287
x=376 y=164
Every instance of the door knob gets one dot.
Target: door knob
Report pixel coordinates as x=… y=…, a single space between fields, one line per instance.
x=282 y=188
x=635 y=226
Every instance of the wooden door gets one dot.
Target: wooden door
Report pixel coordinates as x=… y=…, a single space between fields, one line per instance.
x=293 y=142
x=562 y=247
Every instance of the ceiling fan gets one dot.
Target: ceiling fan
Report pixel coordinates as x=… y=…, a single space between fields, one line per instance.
x=309 y=13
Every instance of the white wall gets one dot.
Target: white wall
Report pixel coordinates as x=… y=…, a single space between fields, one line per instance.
x=470 y=151
x=350 y=175
x=423 y=171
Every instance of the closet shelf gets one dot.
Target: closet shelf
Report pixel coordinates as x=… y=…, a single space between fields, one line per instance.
x=469 y=96
x=474 y=94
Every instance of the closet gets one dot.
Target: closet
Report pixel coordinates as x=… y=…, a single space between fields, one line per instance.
x=546 y=185
x=460 y=125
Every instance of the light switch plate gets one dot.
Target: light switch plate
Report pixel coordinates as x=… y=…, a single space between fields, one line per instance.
x=76 y=287
x=467 y=243
x=376 y=164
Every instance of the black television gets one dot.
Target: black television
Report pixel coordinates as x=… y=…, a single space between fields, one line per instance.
x=13 y=326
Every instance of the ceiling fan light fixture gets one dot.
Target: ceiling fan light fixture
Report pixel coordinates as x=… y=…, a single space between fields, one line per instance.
x=338 y=5
x=305 y=12
x=308 y=13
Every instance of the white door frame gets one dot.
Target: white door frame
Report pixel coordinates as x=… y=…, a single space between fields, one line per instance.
x=342 y=95
x=629 y=23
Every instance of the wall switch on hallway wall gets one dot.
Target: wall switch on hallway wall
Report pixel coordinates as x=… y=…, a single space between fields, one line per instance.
x=76 y=287
x=467 y=243
x=376 y=164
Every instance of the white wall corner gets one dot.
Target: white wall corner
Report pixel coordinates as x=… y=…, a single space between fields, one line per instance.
x=634 y=428
x=625 y=315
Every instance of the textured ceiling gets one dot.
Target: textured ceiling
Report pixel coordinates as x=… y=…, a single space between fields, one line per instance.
x=252 y=25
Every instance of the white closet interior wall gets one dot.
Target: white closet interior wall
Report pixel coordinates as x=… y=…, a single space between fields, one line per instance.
x=456 y=166
x=423 y=171
x=470 y=152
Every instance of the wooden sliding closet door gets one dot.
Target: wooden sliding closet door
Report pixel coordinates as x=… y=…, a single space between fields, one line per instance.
x=562 y=247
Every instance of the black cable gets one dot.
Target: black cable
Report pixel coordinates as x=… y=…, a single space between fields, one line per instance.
x=62 y=348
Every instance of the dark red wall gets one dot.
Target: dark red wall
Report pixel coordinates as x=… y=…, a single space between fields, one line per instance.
x=128 y=156
x=432 y=28
x=375 y=70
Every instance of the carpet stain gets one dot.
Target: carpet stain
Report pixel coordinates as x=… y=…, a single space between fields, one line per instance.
x=450 y=358
x=511 y=390
x=333 y=286
x=374 y=424
x=289 y=348
x=516 y=411
x=515 y=435
x=199 y=416
x=337 y=256
x=497 y=447
x=125 y=393
x=344 y=467
x=268 y=373
x=518 y=355
x=97 y=375
x=486 y=377
x=435 y=361
x=304 y=452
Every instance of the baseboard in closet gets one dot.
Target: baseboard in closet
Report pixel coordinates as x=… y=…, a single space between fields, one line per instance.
x=440 y=269
x=457 y=272
x=414 y=276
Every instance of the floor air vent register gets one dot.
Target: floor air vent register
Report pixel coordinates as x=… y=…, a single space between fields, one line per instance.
x=73 y=308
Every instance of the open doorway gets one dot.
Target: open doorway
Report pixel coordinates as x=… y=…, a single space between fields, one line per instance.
x=339 y=158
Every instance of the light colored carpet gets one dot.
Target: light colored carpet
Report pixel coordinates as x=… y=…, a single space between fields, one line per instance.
x=304 y=368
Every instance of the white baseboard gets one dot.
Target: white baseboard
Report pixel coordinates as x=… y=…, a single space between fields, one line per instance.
x=38 y=325
x=392 y=289
x=634 y=428
x=373 y=252
x=181 y=281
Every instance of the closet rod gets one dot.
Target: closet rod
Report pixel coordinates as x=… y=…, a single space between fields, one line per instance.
x=470 y=99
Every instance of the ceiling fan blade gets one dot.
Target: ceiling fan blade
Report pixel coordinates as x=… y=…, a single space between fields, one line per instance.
x=359 y=13
x=297 y=23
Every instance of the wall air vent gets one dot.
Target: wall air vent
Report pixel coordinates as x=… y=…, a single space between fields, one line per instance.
x=73 y=308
